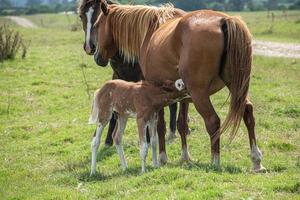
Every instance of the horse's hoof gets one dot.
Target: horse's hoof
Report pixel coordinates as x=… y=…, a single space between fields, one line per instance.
x=163 y=158
x=171 y=137
x=185 y=156
x=107 y=145
x=260 y=169
x=92 y=174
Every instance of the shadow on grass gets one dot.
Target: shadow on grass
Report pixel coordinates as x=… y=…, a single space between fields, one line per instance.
x=196 y=165
x=131 y=171
x=105 y=152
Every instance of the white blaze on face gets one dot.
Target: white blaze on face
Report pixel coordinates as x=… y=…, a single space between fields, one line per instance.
x=89 y=15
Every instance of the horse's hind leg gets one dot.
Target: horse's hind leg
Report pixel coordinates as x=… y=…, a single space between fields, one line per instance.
x=172 y=131
x=112 y=125
x=212 y=121
x=161 y=130
x=118 y=140
x=183 y=129
x=256 y=155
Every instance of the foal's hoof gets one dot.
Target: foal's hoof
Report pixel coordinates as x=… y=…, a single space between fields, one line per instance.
x=260 y=169
x=163 y=158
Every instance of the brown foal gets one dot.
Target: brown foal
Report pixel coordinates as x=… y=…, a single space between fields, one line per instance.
x=141 y=100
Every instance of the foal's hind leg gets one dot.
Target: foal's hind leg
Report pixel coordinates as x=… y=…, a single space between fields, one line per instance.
x=256 y=155
x=172 y=131
x=153 y=140
x=142 y=127
x=95 y=145
x=118 y=140
x=183 y=129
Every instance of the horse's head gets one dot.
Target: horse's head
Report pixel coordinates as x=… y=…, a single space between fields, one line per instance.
x=89 y=11
x=106 y=47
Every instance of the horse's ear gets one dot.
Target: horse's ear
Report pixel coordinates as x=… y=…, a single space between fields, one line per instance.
x=104 y=7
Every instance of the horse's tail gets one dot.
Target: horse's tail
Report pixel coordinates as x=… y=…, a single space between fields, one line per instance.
x=236 y=71
x=95 y=109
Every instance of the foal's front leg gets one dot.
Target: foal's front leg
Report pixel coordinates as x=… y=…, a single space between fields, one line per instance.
x=118 y=140
x=95 y=145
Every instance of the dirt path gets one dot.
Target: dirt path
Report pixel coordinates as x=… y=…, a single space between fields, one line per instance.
x=22 y=22
x=276 y=49
x=264 y=48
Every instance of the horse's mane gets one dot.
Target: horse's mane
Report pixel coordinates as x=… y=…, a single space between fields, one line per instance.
x=130 y=24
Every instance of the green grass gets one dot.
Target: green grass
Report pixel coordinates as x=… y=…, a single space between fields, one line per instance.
x=284 y=28
x=45 y=139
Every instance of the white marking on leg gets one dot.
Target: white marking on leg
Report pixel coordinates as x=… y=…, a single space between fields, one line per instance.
x=118 y=141
x=154 y=143
x=121 y=156
x=215 y=159
x=256 y=157
x=95 y=145
x=171 y=136
x=185 y=156
x=163 y=158
x=143 y=154
x=89 y=15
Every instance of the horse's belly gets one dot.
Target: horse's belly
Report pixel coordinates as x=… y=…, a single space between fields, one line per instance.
x=162 y=55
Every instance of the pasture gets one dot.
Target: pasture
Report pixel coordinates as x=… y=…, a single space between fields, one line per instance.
x=45 y=103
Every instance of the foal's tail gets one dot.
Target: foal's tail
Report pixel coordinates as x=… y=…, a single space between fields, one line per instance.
x=95 y=109
x=236 y=71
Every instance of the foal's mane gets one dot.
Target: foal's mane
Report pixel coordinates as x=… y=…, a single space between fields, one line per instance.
x=130 y=24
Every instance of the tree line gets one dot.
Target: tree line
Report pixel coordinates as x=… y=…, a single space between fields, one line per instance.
x=54 y=6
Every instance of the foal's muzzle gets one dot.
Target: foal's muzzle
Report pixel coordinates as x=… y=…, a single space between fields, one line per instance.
x=100 y=60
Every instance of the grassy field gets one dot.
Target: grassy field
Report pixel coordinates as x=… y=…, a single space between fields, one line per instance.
x=45 y=139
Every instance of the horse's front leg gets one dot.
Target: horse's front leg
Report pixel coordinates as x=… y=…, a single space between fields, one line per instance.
x=161 y=130
x=256 y=155
x=183 y=129
x=173 y=110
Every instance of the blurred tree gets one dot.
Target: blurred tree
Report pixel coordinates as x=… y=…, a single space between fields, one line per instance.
x=33 y=3
x=272 y=4
x=53 y=2
x=191 y=4
x=235 y=5
x=5 y=4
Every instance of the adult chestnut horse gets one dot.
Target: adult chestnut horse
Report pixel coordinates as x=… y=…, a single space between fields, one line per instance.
x=207 y=49
x=127 y=70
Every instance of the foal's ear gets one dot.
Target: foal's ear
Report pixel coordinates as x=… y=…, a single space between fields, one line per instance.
x=104 y=7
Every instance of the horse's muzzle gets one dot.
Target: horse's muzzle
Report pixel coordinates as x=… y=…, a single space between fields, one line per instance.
x=89 y=49
x=100 y=60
